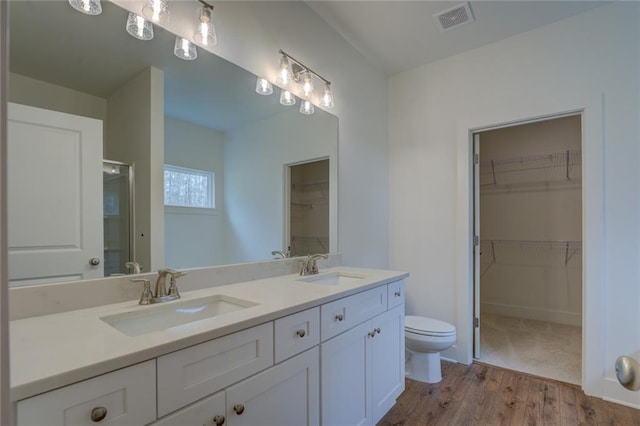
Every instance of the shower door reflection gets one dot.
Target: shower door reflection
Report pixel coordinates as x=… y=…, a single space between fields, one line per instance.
x=117 y=181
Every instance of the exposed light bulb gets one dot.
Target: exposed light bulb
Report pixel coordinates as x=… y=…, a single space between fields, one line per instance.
x=88 y=7
x=206 y=33
x=307 y=84
x=306 y=107
x=139 y=27
x=263 y=86
x=285 y=75
x=287 y=98
x=184 y=49
x=156 y=10
x=327 y=96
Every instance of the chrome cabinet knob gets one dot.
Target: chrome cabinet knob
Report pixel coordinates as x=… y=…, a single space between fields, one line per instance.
x=219 y=420
x=397 y=293
x=98 y=414
x=371 y=334
x=377 y=330
x=301 y=333
x=339 y=317
x=238 y=408
x=94 y=261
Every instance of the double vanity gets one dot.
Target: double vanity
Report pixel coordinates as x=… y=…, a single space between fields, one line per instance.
x=288 y=350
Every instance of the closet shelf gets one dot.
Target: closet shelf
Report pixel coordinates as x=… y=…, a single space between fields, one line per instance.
x=530 y=252
x=556 y=166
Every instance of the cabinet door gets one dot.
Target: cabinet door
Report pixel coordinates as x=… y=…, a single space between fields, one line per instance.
x=120 y=398
x=285 y=395
x=345 y=377
x=387 y=359
x=208 y=412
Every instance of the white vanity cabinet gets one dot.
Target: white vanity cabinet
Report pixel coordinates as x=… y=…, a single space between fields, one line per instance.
x=286 y=394
x=339 y=363
x=363 y=368
x=120 y=398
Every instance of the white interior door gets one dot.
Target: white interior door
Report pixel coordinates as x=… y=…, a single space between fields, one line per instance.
x=476 y=245
x=54 y=196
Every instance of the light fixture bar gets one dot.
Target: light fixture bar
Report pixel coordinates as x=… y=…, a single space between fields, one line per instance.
x=301 y=65
x=205 y=4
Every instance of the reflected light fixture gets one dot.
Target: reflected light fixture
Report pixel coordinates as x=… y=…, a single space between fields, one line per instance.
x=264 y=86
x=184 y=49
x=206 y=33
x=156 y=10
x=287 y=98
x=306 y=107
x=88 y=7
x=294 y=73
x=139 y=27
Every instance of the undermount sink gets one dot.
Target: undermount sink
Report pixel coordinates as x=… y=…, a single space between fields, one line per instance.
x=161 y=317
x=333 y=278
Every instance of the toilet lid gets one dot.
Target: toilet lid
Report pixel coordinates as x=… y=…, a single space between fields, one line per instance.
x=427 y=326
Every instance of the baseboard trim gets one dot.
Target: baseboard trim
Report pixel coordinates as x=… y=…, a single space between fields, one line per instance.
x=532 y=313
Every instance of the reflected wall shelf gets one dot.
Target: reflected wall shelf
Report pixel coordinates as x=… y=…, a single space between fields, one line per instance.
x=557 y=253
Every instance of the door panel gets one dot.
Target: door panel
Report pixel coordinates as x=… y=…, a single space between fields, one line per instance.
x=54 y=196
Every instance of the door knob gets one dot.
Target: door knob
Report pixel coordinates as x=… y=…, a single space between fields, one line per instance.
x=94 y=261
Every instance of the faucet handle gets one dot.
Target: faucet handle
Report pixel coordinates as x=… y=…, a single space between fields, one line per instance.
x=134 y=266
x=145 y=298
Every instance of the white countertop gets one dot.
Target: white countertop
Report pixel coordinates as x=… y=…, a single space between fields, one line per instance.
x=51 y=351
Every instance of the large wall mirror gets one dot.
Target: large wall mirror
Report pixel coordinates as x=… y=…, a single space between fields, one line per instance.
x=101 y=123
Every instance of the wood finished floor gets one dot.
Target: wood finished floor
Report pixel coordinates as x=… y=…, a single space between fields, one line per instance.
x=481 y=394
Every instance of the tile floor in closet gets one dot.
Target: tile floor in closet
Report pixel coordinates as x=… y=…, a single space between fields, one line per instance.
x=536 y=347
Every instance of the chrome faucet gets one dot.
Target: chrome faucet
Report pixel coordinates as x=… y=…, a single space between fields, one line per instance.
x=162 y=294
x=279 y=253
x=133 y=266
x=309 y=266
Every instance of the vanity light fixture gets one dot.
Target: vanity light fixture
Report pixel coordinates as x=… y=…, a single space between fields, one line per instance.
x=294 y=71
x=184 y=49
x=327 y=96
x=263 y=86
x=88 y=7
x=286 y=97
x=206 y=33
x=139 y=27
x=284 y=75
x=156 y=10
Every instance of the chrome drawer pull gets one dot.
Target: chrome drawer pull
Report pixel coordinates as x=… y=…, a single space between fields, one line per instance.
x=238 y=408
x=397 y=293
x=98 y=414
x=219 y=420
x=301 y=333
x=339 y=317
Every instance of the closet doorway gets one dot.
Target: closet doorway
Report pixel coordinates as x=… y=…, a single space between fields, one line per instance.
x=528 y=259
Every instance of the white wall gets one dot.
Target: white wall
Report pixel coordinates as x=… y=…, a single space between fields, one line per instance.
x=194 y=237
x=29 y=91
x=136 y=136
x=531 y=202
x=255 y=159
x=590 y=61
x=250 y=35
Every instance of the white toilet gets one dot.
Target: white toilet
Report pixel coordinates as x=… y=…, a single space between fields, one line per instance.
x=424 y=339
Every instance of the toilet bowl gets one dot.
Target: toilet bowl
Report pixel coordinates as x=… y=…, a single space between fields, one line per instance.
x=424 y=339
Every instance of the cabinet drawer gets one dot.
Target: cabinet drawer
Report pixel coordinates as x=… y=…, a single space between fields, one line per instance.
x=395 y=293
x=342 y=314
x=203 y=413
x=127 y=397
x=193 y=373
x=296 y=333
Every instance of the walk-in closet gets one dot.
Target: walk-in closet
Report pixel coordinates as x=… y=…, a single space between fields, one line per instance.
x=530 y=227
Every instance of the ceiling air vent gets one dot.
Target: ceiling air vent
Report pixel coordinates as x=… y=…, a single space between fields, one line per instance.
x=454 y=17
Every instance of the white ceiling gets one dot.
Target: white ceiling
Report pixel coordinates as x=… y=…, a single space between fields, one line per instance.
x=395 y=36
